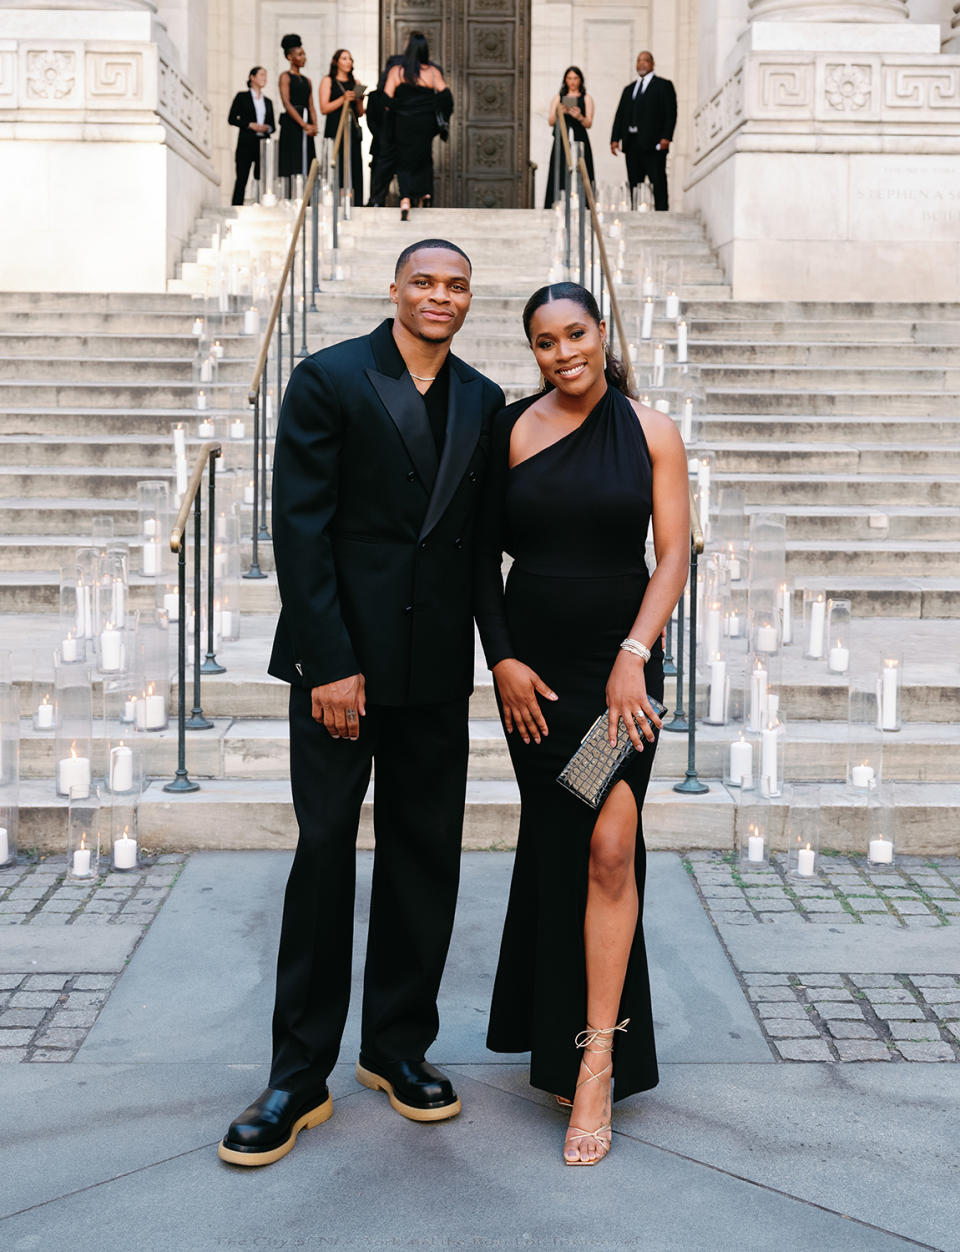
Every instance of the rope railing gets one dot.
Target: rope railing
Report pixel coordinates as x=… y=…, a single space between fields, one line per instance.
x=193 y=499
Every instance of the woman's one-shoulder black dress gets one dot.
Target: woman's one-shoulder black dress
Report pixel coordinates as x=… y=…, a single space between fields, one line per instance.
x=296 y=149
x=574 y=517
x=578 y=134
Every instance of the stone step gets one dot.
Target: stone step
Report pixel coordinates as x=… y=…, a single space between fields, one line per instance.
x=118 y=345
x=19 y=553
x=828 y=489
x=791 y=458
x=866 y=312
x=813 y=378
x=118 y=370
x=837 y=557
x=127 y=393
x=259 y=814
x=249 y=749
x=53 y=321
x=38 y=592
x=28 y=422
x=152 y=455
x=858 y=355
x=885 y=428
x=96 y=302
x=842 y=402
x=826 y=522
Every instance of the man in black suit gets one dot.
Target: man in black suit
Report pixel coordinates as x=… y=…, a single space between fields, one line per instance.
x=644 y=125
x=381 y=445
x=252 y=113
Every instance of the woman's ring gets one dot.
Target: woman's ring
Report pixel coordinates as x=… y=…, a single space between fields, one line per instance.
x=351 y=715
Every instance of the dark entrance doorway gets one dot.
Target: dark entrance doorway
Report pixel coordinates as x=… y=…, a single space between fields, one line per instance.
x=484 y=49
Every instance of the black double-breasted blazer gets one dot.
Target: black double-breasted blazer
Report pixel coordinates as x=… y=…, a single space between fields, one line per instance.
x=242 y=113
x=653 y=113
x=373 y=538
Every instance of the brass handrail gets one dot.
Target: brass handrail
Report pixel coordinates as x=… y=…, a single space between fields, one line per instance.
x=278 y=298
x=338 y=140
x=193 y=486
x=566 y=145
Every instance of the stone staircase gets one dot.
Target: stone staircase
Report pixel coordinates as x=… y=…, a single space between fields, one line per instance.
x=828 y=413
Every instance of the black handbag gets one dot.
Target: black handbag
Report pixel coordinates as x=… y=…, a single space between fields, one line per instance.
x=594 y=767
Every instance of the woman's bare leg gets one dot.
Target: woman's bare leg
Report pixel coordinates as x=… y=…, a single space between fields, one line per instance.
x=609 y=927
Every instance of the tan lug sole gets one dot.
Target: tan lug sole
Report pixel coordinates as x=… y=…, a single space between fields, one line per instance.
x=375 y=1083
x=316 y=1117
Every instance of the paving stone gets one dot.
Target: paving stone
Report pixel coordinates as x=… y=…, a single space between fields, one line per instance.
x=52 y=1038
x=725 y=907
x=881 y=919
x=920 y=923
x=46 y=982
x=118 y=880
x=13 y=906
x=15 y=1038
x=927 y=1051
x=11 y=1056
x=98 y=905
x=934 y=980
x=823 y=980
x=899 y=1012
x=804 y=1050
x=721 y=893
x=773 y=905
x=915 y=1031
x=865 y=905
x=816 y=905
x=772 y=992
x=829 y=993
x=776 y=1009
x=65 y=1019
x=814 y=893
x=766 y=980
x=177 y=858
x=948 y=907
x=33 y=999
x=91 y=982
x=741 y=918
x=49 y=919
x=863 y=1050
x=52 y=1055
x=105 y=893
x=21 y=1017
x=830 y=1010
x=889 y=995
x=911 y=907
x=834 y=919
x=56 y=905
x=851 y=1030
x=10 y=981
x=85 y=999
x=945 y=995
x=953 y=1030
x=12 y=919
x=27 y=893
x=902 y=893
x=941 y=893
x=790 y=1028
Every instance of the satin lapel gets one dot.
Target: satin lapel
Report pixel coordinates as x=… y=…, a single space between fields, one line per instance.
x=464 y=421
x=407 y=411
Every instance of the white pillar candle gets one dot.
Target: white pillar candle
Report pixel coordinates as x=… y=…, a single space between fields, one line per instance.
x=45 y=715
x=111 y=650
x=673 y=306
x=81 y=862
x=862 y=776
x=87 y=602
x=121 y=768
x=686 y=424
x=733 y=625
x=198 y=326
x=181 y=471
x=881 y=851
x=888 y=696
x=150 y=528
x=736 y=571
x=237 y=429
x=151 y=712
x=754 y=846
x=251 y=321
x=647 y=285
x=741 y=763
x=201 y=399
x=151 y=557
x=129 y=710
x=226 y=623
x=73 y=774
x=773 y=706
x=718 y=684
x=206 y=370
x=248 y=494
x=712 y=630
x=171 y=605
x=179 y=441
x=663 y=406
x=68 y=648
x=4 y=845
x=205 y=429
x=766 y=638
x=839 y=660
x=646 y=326
x=118 y=601
x=681 y=342
x=818 y=611
x=805 y=861
x=658 y=360
x=758 y=698
x=786 y=612
x=217 y=350
x=124 y=852
x=768 y=761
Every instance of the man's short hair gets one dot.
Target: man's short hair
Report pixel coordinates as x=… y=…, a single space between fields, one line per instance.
x=408 y=252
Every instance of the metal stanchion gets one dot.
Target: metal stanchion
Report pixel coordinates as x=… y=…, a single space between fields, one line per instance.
x=304 y=350
x=315 y=216
x=265 y=438
x=181 y=780
x=679 y=720
x=210 y=663
x=196 y=720
x=557 y=158
x=669 y=668
x=254 y=571
x=293 y=309
x=691 y=784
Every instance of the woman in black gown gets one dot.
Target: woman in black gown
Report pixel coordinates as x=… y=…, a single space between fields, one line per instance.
x=576 y=472
x=416 y=95
x=298 y=121
x=576 y=108
x=337 y=89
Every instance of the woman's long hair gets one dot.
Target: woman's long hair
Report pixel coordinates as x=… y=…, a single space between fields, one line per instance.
x=614 y=371
x=334 y=69
x=256 y=70
x=415 y=56
x=579 y=73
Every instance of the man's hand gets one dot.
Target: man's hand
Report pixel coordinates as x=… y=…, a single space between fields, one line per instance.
x=339 y=706
x=663 y=145
x=615 y=147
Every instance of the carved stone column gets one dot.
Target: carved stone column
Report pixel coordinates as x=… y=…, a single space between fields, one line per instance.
x=828 y=10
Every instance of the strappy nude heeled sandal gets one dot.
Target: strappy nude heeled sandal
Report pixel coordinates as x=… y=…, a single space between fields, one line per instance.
x=600 y=1040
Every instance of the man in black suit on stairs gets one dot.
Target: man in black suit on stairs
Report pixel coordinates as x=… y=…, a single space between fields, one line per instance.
x=644 y=125
x=381 y=446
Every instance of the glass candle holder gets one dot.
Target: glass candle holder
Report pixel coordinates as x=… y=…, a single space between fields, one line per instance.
x=767 y=546
x=740 y=764
x=785 y=609
x=73 y=719
x=772 y=744
x=814 y=624
x=755 y=832
x=9 y=761
x=881 y=833
x=123 y=745
x=803 y=832
x=838 y=636
x=152 y=671
x=718 y=693
x=73 y=598
x=765 y=632
x=41 y=689
x=864 y=739
x=120 y=834
x=153 y=514
x=761 y=675
x=83 y=834
x=888 y=694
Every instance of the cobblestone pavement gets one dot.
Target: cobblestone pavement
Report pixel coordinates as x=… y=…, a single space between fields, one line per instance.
x=844 y=1017
x=46 y=1017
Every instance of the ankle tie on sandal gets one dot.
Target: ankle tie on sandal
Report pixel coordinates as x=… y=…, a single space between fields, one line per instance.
x=589 y=1038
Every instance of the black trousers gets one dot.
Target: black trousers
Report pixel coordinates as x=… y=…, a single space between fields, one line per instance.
x=421 y=772
x=245 y=159
x=382 y=169
x=648 y=163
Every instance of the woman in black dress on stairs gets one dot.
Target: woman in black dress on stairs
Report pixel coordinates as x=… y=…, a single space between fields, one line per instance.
x=576 y=473
x=416 y=95
x=338 y=90
x=298 y=121
x=576 y=108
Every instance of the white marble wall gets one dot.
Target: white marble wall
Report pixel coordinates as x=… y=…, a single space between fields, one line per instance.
x=244 y=33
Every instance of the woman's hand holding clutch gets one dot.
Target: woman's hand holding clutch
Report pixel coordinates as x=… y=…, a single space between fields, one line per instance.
x=519 y=687
x=627 y=698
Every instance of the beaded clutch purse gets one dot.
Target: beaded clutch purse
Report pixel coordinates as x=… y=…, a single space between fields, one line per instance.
x=593 y=768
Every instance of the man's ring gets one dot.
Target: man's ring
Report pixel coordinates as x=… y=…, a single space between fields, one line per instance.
x=351 y=715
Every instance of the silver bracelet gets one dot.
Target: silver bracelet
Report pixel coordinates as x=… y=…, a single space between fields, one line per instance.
x=636 y=647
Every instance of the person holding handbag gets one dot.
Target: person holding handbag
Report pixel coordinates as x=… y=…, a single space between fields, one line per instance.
x=252 y=113
x=419 y=102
